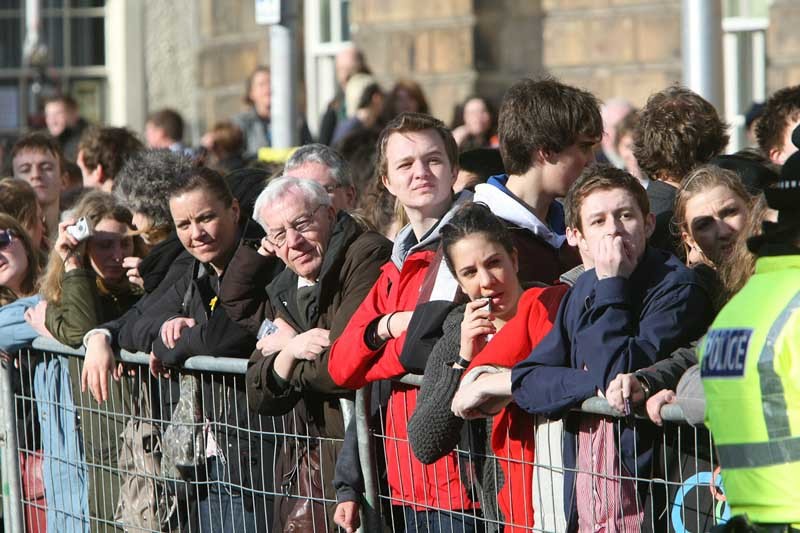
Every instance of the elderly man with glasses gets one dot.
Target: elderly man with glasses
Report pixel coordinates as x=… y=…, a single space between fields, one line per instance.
x=332 y=263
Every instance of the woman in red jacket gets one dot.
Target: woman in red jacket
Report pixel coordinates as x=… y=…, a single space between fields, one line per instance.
x=481 y=256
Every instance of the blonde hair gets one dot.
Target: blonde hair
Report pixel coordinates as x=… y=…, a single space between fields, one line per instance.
x=95 y=206
x=701 y=179
x=737 y=269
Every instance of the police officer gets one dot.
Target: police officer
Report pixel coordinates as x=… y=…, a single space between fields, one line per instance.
x=750 y=365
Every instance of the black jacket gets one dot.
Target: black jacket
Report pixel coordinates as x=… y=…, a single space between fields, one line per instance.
x=249 y=455
x=160 y=269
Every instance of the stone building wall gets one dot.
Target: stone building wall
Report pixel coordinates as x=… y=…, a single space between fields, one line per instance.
x=458 y=47
x=431 y=42
x=783 y=45
x=198 y=54
x=627 y=48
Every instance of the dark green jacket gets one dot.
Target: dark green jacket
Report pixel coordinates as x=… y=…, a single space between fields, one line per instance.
x=84 y=305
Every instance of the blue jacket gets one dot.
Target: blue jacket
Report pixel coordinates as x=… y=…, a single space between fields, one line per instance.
x=603 y=328
x=15 y=333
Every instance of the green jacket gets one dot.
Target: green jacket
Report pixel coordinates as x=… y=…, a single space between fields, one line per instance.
x=85 y=304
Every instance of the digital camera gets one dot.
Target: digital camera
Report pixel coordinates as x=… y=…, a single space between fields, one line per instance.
x=81 y=230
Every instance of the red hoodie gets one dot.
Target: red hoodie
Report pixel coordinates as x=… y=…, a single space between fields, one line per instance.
x=513 y=429
x=353 y=364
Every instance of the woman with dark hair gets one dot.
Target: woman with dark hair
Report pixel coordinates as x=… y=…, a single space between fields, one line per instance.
x=19 y=269
x=406 y=96
x=255 y=123
x=481 y=255
x=187 y=321
x=476 y=127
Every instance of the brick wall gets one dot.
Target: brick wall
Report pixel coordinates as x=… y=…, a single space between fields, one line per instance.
x=198 y=55
x=429 y=41
x=783 y=45
x=627 y=48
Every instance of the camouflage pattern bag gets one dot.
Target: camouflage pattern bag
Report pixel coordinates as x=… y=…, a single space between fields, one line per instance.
x=183 y=442
x=143 y=504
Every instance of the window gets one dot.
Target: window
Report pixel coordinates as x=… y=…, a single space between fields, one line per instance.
x=327 y=31
x=74 y=34
x=744 y=26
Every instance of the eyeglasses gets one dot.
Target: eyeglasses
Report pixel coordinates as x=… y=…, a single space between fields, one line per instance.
x=303 y=224
x=330 y=189
x=7 y=237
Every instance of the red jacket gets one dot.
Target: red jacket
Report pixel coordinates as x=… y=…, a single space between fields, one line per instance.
x=513 y=429
x=352 y=364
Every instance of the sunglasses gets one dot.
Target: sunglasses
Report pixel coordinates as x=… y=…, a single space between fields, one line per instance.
x=6 y=238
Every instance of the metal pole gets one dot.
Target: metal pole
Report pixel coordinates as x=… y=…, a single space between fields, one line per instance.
x=12 y=490
x=371 y=514
x=283 y=66
x=701 y=32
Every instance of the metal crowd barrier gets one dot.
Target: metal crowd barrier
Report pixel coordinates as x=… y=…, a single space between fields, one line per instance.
x=61 y=478
x=682 y=494
x=80 y=488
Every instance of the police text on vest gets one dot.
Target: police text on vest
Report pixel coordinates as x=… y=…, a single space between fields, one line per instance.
x=725 y=353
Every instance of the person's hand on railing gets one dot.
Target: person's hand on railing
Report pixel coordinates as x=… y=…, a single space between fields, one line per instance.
x=35 y=315
x=656 y=402
x=97 y=365
x=308 y=345
x=305 y=346
x=7 y=358
x=625 y=387
x=484 y=397
x=347 y=517
x=275 y=342
x=171 y=330
x=157 y=368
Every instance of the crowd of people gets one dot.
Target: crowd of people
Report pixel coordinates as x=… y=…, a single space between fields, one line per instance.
x=521 y=261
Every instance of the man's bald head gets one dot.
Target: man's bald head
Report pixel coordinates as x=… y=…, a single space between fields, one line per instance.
x=349 y=61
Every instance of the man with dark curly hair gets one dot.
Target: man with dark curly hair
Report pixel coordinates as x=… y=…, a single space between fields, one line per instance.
x=678 y=130
x=774 y=130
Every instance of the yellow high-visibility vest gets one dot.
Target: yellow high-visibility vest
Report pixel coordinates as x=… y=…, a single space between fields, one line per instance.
x=750 y=363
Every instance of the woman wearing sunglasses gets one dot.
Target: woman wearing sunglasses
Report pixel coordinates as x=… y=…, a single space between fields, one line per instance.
x=19 y=270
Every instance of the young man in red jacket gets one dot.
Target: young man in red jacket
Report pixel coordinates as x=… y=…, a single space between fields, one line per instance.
x=417 y=162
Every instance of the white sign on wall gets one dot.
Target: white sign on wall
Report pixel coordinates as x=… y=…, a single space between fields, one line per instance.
x=268 y=11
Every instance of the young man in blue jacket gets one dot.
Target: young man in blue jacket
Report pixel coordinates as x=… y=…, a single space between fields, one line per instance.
x=633 y=306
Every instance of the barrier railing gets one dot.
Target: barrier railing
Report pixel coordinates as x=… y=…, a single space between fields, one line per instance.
x=241 y=469
x=681 y=492
x=84 y=466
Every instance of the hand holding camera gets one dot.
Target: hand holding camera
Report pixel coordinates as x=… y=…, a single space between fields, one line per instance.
x=71 y=234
